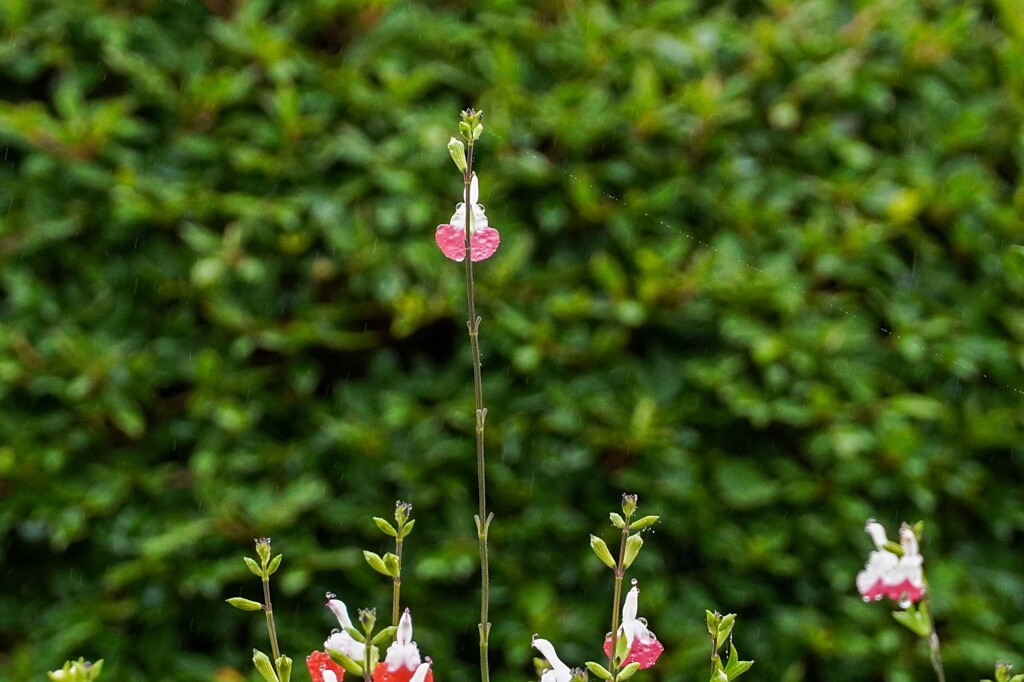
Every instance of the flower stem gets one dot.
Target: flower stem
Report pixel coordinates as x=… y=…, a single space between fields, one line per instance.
x=483 y=521
x=268 y=609
x=620 y=573
x=396 y=590
x=935 y=652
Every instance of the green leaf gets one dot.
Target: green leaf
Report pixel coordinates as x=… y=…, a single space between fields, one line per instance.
x=393 y=565
x=633 y=545
x=245 y=604
x=601 y=550
x=284 y=667
x=644 y=522
x=376 y=563
x=264 y=666
x=736 y=667
x=628 y=671
x=275 y=563
x=345 y=662
x=407 y=528
x=713 y=619
x=254 y=567
x=385 y=526
x=725 y=627
x=617 y=520
x=621 y=646
x=913 y=621
x=384 y=635
x=599 y=670
x=356 y=634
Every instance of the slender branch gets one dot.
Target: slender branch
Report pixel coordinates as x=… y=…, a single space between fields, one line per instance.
x=396 y=589
x=935 y=652
x=482 y=520
x=268 y=609
x=620 y=573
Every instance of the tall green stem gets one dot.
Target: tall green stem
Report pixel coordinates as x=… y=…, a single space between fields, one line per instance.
x=935 y=653
x=483 y=521
x=396 y=589
x=268 y=609
x=620 y=573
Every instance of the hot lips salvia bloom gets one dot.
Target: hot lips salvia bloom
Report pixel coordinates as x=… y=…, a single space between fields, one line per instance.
x=402 y=662
x=900 y=578
x=451 y=237
x=321 y=667
x=644 y=647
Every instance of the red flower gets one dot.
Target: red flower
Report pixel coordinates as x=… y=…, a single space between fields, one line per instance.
x=644 y=647
x=323 y=669
x=402 y=662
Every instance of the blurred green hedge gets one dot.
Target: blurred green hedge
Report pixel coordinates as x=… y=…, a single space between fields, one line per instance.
x=759 y=265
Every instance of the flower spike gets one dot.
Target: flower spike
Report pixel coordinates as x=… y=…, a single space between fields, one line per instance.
x=644 y=647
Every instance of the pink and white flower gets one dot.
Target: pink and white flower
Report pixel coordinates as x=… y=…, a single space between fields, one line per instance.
x=901 y=578
x=323 y=669
x=402 y=662
x=483 y=240
x=644 y=647
x=559 y=672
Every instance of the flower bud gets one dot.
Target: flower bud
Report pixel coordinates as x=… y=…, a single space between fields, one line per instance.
x=263 y=549
x=245 y=604
x=633 y=545
x=458 y=152
x=601 y=550
x=628 y=504
x=263 y=666
x=367 y=619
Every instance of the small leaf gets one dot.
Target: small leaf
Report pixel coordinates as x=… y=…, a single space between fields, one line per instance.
x=254 y=567
x=284 y=666
x=633 y=545
x=345 y=662
x=601 y=550
x=407 y=528
x=275 y=563
x=393 y=565
x=913 y=622
x=725 y=627
x=599 y=670
x=621 y=646
x=243 y=604
x=642 y=523
x=384 y=635
x=264 y=666
x=736 y=667
x=617 y=520
x=376 y=563
x=628 y=671
x=385 y=526
x=713 y=619
x=356 y=635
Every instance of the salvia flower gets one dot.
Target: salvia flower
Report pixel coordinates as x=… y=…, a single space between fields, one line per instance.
x=402 y=662
x=451 y=237
x=900 y=578
x=644 y=647
x=340 y=640
x=322 y=668
x=559 y=672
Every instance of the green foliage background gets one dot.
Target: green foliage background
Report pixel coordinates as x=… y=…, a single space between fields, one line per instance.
x=759 y=265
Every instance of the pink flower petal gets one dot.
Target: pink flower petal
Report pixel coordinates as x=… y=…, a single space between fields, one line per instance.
x=644 y=654
x=318 y=662
x=905 y=590
x=381 y=673
x=485 y=242
x=452 y=241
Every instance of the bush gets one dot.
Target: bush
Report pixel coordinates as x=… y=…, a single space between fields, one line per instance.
x=759 y=265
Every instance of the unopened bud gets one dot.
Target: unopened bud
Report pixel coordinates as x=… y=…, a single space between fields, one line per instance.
x=628 y=504
x=458 y=152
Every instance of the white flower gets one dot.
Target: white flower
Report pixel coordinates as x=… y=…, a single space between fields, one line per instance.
x=901 y=578
x=559 y=671
x=484 y=239
x=404 y=653
x=644 y=647
x=341 y=640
